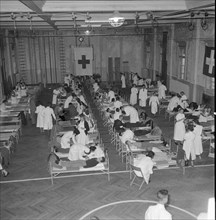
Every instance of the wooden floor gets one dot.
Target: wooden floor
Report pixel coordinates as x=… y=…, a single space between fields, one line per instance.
x=27 y=192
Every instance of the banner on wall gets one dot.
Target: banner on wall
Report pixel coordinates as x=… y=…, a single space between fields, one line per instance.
x=209 y=62
x=83 y=60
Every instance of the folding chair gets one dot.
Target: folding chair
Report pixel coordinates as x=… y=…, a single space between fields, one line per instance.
x=142 y=179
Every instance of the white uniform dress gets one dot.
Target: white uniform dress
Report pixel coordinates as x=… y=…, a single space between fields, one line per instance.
x=154 y=102
x=198 y=139
x=48 y=113
x=173 y=103
x=145 y=164
x=111 y=95
x=66 y=139
x=133 y=96
x=56 y=92
x=117 y=104
x=77 y=151
x=127 y=136
x=157 y=212
x=162 y=91
x=123 y=81
x=179 y=128
x=67 y=101
x=82 y=138
x=40 y=118
x=143 y=97
x=188 y=145
x=133 y=113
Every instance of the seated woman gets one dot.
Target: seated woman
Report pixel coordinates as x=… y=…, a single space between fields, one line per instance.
x=71 y=112
x=118 y=124
x=60 y=112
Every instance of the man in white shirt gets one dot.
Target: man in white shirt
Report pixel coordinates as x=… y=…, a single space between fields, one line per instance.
x=132 y=112
x=117 y=103
x=111 y=95
x=126 y=135
x=159 y=212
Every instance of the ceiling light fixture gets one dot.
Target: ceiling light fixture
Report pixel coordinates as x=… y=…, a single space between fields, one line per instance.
x=116 y=20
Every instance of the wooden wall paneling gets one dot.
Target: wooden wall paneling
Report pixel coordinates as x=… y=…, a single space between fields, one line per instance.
x=42 y=59
x=37 y=60
x=47 y=57
x=57 y=61
x=52 y=58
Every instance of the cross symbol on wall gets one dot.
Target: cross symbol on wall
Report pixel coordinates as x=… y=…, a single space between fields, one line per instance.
x=83 y=61
x=210 y=61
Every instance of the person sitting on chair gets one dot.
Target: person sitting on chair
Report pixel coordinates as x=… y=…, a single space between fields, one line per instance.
x=145 y=163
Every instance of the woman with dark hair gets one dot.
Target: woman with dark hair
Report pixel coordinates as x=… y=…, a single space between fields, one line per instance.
x=188 y=144
x=83 y=127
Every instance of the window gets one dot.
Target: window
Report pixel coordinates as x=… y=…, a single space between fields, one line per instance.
x=182 y=61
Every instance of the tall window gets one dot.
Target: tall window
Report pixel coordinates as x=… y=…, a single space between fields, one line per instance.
x=182 y=60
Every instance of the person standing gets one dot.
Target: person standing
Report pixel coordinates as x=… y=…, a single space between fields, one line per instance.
x=133 y=95
x=40 y=119
x=83 y=127
x=154 y=102
x=159 y=212
x=179 y=133
x=56 y=92
x=161 y=90
x=123 y=82
x=48 y=116
x=143 y=96
x=188 y=145
x=198 y=131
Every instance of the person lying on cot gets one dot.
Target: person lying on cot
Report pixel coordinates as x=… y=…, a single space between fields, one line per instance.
x=89 y=161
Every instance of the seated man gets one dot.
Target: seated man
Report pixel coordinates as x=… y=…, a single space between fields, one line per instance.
x=118 y=103
x=117 y=114
x=146 y=164
x=60 y=112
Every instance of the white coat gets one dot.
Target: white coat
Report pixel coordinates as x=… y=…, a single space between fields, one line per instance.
x=188 y=145
x=67 y=80
x=154 y=102
x=67 y=101
x=135 y=79
x=173 y=103
x=132 y=112
x=117 y=104
x=40 y=118
x=56 y=92
x=133 y=96
x=143 y=97
x=162 y=91
x=157 y=212
x=82 y=138
x=77 y=151
x=145 y=164
x=123 y=81
x=127 y=136
x=179 y=128
x=111 y=95
x=48 y=113
x=66 y=139
x=198 y=139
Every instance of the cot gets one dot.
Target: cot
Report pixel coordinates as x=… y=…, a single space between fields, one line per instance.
x=101 y=168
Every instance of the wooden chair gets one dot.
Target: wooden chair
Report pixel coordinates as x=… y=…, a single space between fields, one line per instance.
x=134 y=169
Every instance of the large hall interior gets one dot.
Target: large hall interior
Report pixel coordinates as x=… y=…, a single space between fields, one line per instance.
x=107 y=110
